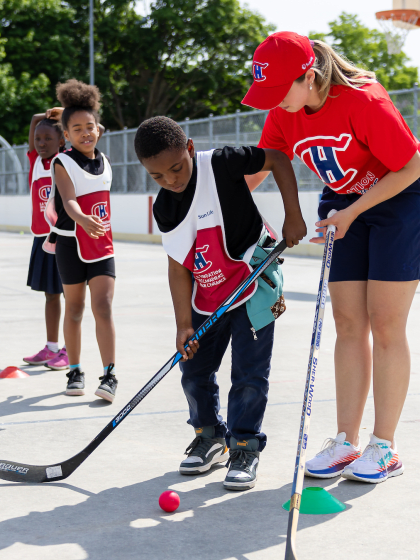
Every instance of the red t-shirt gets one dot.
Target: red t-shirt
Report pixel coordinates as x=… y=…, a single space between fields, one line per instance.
x=356 y=138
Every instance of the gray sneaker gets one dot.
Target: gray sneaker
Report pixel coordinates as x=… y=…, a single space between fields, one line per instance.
x=76 y=382
x=242 y=464
x=204 y=452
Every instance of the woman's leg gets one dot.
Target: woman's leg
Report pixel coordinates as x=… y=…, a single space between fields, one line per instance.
x=353 y=357
x=75 y=295
x=388 y=306
x=102 y=293
x=52 y=316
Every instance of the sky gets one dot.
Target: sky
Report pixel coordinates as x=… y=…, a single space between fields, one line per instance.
x=304 y=16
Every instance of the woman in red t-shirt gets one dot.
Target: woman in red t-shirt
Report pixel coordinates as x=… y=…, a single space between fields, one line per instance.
x=342 y=124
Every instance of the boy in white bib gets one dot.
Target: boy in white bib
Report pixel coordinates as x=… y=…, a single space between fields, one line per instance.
x=213 y=233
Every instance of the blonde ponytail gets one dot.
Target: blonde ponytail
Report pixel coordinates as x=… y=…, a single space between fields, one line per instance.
x=332 y=69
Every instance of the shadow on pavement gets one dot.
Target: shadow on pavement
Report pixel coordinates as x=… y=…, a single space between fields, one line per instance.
x=15 y=404
x=127 y=523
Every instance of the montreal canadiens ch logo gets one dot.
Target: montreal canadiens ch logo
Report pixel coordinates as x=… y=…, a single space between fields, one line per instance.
x=258 y=69
x=200 y=263
x=44 y=193
x=322 y=155
x=99 y=209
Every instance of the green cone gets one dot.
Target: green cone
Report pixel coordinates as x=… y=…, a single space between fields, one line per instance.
x=317 y=501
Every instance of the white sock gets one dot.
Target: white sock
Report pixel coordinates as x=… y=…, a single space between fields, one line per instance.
x=52 y=346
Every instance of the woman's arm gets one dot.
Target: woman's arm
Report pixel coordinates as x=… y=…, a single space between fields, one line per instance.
x=91 y=224
x=180 y=283
x=254 y=181
x=389 y=186
x=34 y=121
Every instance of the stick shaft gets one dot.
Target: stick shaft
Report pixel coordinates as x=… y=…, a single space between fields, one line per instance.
x=308 y=397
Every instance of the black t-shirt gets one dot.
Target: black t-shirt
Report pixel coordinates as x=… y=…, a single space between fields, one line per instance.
x=94 y=167
x=241 y=218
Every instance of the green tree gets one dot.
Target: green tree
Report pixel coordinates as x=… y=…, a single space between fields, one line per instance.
x=367 y=48
x=37 y=50
x=189 y=58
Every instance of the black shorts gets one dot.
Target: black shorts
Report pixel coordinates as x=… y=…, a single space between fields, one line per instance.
x=73 y=270
x=383 y=243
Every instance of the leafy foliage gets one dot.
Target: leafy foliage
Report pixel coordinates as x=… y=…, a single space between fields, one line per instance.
x=367 y=48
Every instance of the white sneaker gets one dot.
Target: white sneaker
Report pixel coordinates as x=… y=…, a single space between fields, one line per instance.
x=377 y=463
x=336 y=453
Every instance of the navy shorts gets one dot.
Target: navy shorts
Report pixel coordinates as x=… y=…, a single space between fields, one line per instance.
x=383 y=243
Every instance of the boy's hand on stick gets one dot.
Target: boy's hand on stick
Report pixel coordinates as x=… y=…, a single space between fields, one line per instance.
x=182 y=336
x=294 y=229
x=93 y=226
x=54 y=113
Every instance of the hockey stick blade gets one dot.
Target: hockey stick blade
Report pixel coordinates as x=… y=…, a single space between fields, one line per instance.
x=20 y=472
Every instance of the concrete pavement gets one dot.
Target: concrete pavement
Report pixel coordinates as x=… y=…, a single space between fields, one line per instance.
x=108 y=509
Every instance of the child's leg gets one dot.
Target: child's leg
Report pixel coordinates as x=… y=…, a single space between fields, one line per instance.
x=102 y=293
x=251 y=363
x=388 y=306
x=199 y=375
x=52 y=316
x=74 y=305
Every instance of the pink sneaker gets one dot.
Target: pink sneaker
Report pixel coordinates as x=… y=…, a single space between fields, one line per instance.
x=43 y=356
x=60 y=361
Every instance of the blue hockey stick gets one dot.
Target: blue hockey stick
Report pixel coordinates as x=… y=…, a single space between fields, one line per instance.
x=19 y=472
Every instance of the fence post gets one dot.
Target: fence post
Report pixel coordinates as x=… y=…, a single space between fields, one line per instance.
x=125 y=160
x=3 y=169
x=416 y=108
x=187 y=128
x=211 y=130
x=108 y=144
x=237 y=128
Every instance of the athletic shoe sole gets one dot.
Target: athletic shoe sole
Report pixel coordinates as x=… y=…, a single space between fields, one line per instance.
x=105 y=395
x=240 y=485
x=330 y=475
x=351 y=476
x=35 y=363
x=205 y=468
x=56 y=368
x=75 y=392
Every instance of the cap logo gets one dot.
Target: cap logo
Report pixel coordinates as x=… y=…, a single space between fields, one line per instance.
x=258 y=68
x=305 y=66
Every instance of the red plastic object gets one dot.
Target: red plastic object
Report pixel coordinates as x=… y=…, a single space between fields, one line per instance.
x=169 y=501
x=13 y=372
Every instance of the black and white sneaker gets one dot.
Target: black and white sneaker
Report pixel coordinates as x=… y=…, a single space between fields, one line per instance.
x=76 y=382
x=204 y=452
x=243 y=463
x=108 y=386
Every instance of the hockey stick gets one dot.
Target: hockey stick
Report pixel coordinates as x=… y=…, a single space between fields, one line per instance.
x=19 y=472
x=308 y=395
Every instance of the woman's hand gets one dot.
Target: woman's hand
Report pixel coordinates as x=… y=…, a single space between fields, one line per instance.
x=182 y=336
x=54 y=113
x=92 y=226
x=294 y=229
x=342 y=220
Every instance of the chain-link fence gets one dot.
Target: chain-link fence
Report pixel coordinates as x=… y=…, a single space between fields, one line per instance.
x=239 y=129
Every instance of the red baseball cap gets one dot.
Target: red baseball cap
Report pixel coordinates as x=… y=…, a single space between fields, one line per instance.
x=278 y=62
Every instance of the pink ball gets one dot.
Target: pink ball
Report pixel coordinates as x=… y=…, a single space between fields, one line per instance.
x=169 y=501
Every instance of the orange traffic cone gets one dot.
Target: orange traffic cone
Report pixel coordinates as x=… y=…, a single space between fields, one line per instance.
x=13 y=372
